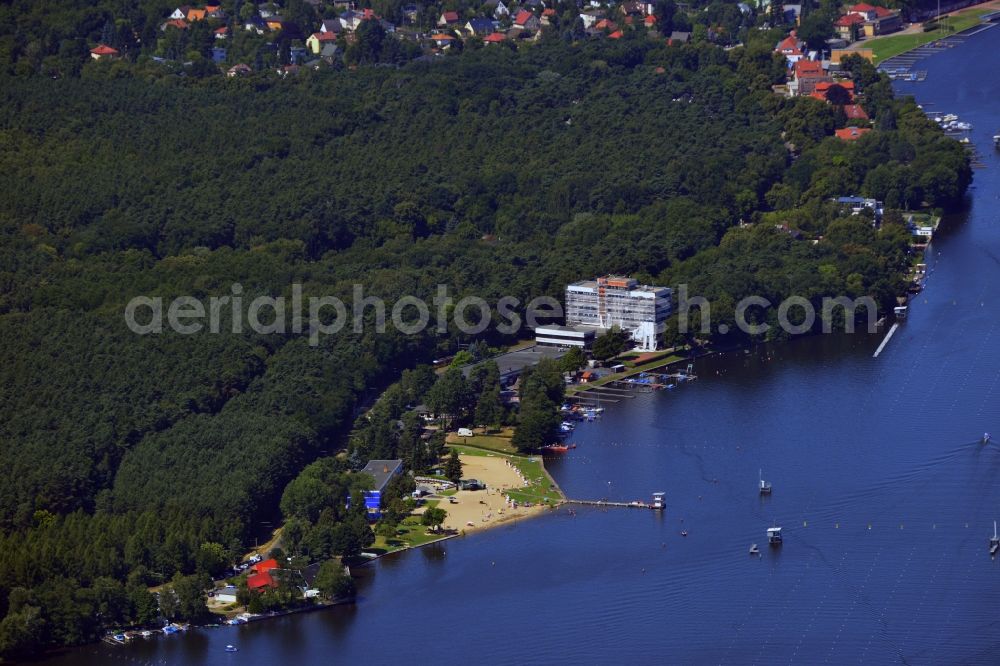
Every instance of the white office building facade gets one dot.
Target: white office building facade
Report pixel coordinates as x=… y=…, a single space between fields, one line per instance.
x=640 y=310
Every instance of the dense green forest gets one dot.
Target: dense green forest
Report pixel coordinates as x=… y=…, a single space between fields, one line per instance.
x=128 y=457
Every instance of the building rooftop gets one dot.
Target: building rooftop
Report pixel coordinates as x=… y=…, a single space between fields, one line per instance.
x=382 y=471
x=514 y=362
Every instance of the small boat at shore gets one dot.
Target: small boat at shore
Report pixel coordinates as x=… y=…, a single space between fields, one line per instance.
x=556 y=448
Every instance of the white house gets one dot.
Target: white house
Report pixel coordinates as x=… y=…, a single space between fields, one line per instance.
x=226 y=595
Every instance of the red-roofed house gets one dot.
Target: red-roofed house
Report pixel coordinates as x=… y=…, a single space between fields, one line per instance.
x=265 y=566
x=823 y=87
x=849 y=26
x=442 y=41
x=261 y=581
x=318 y=39
x=104 y=52
x=617 y=34
x=806 y=75
x=222 y=33
x=605 y=24
x=495 y=38
x=855 y=112
x=525 y=20
x=180 y=24
x=790 y=47
x=448 y=18
x=650 y=21
x=877 y=20
x=547 y=16
x=851 y=133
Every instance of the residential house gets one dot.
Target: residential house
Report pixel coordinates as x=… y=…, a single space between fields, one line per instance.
x=255 y=24
x=822 y=88
x=180 y=24
x=259 y=582
x=606 y=24
x=411 y=13
x=316 y=41
x=855 y=112
x=851 y=133
x=678 y=37
x=265 y=11
x=104 y=52
x=448 y=19
x=638 y=8
x=330 y=26
x=351 y=20
x=877 y=20
x=381 y=471
x=221 y=33
x=495 y=38
x=239 y=70
x=442 y=40
x=480 y=26
x=533 y=5
x=525 y=20
x=196 y=15
x=180 y=13
x=791 y=13
x=649 y=21
x=548 y=15
x=806 y=75
x=226 y=595
x=617 y=34
x=590 y=17
x=791 y=48
x=330 y=52
x=274 y=23
x=849 y=27
x=218 y=55
x=497 y=7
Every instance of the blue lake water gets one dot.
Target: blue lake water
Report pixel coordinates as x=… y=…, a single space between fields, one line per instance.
x=884 y=493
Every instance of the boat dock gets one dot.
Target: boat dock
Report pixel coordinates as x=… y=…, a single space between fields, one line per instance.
x=607 y=503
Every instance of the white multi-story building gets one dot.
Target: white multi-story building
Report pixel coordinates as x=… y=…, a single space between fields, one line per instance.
x=640 y=310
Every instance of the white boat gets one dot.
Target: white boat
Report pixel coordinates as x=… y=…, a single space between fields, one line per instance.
x=231 y=648
x=774 y=536
x=659 y=501
x=754 y=550
x=995 y=541
x=950 y=117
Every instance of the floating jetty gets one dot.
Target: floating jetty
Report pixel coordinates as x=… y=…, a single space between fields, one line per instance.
x=658 y=503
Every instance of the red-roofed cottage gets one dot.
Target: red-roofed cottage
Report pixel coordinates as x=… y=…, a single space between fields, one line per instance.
x=104 y=52
x=851 y=133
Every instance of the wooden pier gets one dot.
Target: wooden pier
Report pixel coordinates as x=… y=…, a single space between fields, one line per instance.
x=620 y=505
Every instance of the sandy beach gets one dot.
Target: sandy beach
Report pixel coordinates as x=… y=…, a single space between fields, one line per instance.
x=479 y=509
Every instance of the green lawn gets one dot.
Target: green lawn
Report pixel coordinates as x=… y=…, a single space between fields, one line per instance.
x=409 y=533
x=494 y=442
x=887 y=47
x=540 y=488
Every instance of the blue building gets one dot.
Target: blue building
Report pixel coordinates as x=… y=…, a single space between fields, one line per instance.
x=382 y=471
